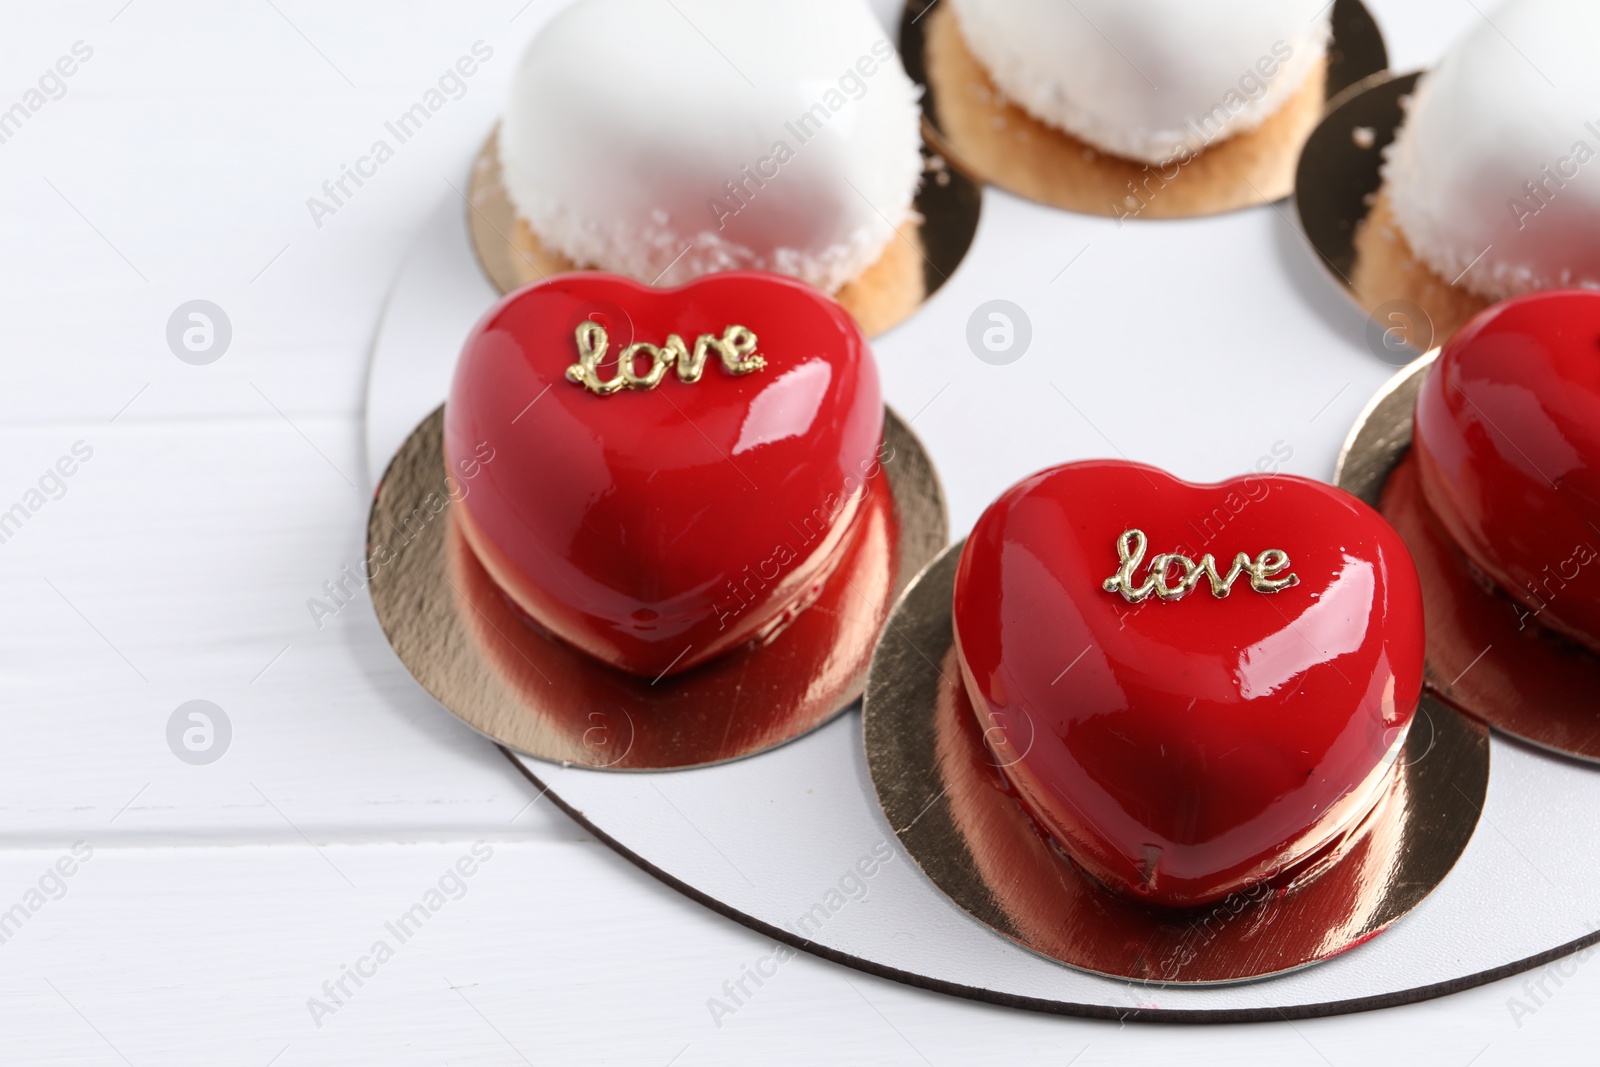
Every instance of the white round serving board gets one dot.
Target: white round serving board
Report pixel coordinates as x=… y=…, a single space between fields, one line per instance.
x=1232 y=313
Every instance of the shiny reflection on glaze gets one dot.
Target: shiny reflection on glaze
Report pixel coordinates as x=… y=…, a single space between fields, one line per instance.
x=786 y=408
x=1507 y=440
x=1183 y=750
x=1281 y=658
x=658 y=529
x=1487 y=653
x=564 y=705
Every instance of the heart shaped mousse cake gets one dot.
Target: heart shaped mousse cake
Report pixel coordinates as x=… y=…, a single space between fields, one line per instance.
x=1190 y=688
x=677 y=470
x=1507 y=441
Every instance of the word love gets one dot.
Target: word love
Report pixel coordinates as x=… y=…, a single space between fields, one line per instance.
x=736 y=347
x=1131 y=546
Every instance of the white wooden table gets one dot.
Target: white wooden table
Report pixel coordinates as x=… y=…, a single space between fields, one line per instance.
x=215 y=913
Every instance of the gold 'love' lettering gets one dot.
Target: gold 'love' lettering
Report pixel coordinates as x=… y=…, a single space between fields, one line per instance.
x=1158 y=580
x=736 y=348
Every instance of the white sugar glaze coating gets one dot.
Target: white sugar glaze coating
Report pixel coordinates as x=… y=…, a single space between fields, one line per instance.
x=669 y=140
x=1150 y=80
x=1493 y=176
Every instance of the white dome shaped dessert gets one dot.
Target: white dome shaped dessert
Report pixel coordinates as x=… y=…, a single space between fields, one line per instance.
x=1492 y=178
x=1150 y=80
x=669 y=140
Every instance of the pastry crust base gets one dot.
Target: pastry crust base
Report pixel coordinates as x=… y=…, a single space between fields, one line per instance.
x=1387 y=271
x=998 y=140
x=884 y=295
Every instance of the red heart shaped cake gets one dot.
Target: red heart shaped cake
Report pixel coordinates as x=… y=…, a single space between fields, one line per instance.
x=677 y=470
x=1191 y=689
x=1507 y=443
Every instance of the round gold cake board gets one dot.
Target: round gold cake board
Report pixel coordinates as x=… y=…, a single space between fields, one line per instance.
x=492 y=668
x=921 y=257
x=1346 y=216
x=1484 y=656
x=943 y=795
x=971 y=122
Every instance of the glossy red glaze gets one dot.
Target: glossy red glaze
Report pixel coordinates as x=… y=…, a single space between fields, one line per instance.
x=1487 y=654
x=655 y=529
x=1507 y=442
x=1183 y=750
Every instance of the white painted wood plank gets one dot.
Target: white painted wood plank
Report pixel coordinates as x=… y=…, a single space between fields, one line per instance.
x=559 y=954
x=176 y=565
x=178 y=164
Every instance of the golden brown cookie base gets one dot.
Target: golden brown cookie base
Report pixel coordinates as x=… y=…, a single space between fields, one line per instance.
x=1387 y=271
x=996 y=139
x=884 y=295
